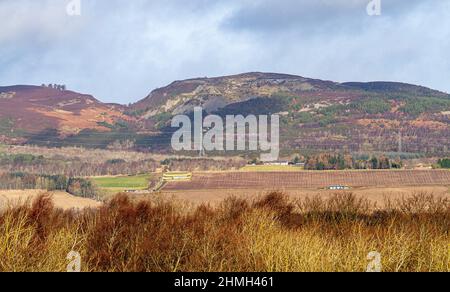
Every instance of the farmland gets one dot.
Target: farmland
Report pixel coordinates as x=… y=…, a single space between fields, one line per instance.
x=311 y=180
x=233 y=221
x=119 y=184
x=60 y=199
x=227 y=218
x=374 y=195
x=270 y=168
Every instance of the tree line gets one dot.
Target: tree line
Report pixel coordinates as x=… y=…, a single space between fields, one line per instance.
x=202 y=164
x=29 y=163
x=75 y=186
x=328 y=161
x=61 y=87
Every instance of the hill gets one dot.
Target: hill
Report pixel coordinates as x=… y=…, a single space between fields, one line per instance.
x=316 y=115
x=215 y=93
x=28 y=110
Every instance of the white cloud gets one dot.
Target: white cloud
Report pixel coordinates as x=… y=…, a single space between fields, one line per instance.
x=37 y=21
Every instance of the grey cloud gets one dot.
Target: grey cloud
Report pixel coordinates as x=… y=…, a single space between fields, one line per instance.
x=309 y=17
x=119 y=50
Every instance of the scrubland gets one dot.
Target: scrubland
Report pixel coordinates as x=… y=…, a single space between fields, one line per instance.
x=271 y=233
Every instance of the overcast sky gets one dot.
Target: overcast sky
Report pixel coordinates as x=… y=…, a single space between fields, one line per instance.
x=120 y=50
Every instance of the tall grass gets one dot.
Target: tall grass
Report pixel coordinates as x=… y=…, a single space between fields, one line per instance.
x=272 y=233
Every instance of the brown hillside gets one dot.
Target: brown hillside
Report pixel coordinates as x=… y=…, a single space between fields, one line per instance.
x=31 y=109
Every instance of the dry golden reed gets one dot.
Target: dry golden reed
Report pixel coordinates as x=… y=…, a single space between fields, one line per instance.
x=272 y=233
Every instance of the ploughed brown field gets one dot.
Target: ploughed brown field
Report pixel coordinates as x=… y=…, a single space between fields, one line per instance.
x=311 y=180
x=374 y=186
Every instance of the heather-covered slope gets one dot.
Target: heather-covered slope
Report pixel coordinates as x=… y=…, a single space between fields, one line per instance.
x=316 y=115
x=28 y=110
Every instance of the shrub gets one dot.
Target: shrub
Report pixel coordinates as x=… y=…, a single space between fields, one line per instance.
x=81 y=188
x=444 y=163
x=417 y=106
x=271 y=234
x=371 y=106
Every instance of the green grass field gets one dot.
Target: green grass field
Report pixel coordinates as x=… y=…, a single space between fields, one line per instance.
x=122 y=183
